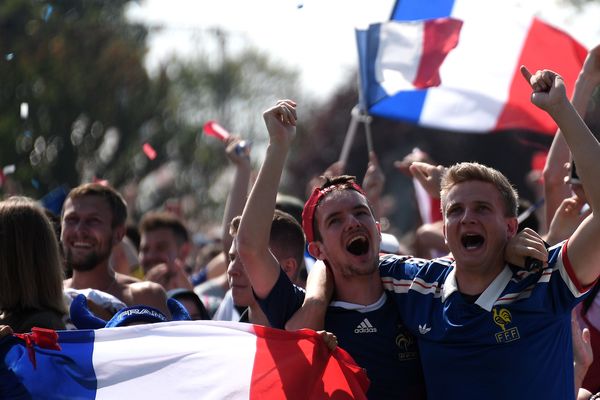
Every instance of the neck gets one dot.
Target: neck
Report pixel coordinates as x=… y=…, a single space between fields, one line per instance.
x=98 y=278
x=474 y=282
x=257 y=316
x=362 y=290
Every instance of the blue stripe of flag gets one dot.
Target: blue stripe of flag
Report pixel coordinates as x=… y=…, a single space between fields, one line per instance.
x=64 y=374
x=405 y=105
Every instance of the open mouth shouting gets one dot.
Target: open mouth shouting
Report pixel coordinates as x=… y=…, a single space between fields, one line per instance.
x=472 y=241
x=358 y=245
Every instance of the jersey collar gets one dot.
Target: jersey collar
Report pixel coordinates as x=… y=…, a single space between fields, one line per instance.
x=491 y=294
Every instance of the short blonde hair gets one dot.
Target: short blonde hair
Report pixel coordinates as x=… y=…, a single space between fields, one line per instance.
x=30 y=263
x=472 y=171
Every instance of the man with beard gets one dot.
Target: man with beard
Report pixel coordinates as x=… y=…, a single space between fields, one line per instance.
x=93 y=222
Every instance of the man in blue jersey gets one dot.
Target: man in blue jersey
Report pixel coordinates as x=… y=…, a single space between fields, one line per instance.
x=486 y=329
x=363 y=317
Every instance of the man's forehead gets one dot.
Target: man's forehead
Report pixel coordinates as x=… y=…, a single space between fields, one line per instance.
x=338 y=200
x=473 y=191
x=89 y=203
x=158 y=234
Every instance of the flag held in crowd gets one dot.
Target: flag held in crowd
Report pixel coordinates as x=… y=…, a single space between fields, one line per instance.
x=481 y=89
x=404 y=55
x=183 y=360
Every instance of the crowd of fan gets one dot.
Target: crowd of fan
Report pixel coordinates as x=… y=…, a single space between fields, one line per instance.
x=99 y=267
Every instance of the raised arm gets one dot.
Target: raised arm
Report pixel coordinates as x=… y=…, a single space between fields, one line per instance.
x=555 y=188
x=253 y=234
x=549 y=94
x=374 y=183
x=240 y=157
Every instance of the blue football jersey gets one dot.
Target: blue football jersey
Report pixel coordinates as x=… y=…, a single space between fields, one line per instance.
x=514 y=342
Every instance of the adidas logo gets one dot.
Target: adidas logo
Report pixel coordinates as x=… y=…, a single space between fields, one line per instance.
x=365 y=327
x=423 y=329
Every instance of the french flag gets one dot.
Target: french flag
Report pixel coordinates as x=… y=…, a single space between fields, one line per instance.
x=404 y=55
x=480 y=88
x=180 y=360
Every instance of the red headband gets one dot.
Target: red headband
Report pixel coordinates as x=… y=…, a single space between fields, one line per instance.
x=308 y=214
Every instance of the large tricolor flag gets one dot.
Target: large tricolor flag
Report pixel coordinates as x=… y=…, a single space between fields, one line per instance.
x=181 y=360
x=481 y=89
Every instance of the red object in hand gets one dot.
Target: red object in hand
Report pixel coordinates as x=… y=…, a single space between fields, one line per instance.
x=212 y=128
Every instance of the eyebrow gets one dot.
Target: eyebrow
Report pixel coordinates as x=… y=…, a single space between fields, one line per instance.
x=337 y=213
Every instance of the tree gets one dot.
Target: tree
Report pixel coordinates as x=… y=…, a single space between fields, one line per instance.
x=78 y=65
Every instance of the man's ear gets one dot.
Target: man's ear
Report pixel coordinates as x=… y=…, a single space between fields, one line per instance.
x=118 y=234
x=512 y=227
x=315 y=250
x=290 y=267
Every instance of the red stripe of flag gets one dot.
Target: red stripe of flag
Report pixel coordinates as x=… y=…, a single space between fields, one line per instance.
x=439 y=37
x=565 y=58
x=298 y=366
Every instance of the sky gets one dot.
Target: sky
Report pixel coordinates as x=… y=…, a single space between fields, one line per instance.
x=314 y=36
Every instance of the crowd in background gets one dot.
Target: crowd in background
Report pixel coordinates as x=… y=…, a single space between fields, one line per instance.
x=47 y=262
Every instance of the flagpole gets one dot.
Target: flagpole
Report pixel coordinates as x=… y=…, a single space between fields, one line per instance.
x=366 y=119
x=350 y=134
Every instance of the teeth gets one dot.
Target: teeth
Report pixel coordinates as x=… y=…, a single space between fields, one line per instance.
x=82 y=244
x=359 y=237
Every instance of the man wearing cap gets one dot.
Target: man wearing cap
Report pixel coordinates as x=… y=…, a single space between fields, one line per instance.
x=93 y=222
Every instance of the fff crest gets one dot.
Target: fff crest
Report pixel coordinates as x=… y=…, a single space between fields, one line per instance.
x=503 y=318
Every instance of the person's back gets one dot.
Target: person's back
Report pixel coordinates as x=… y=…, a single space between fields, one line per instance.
x=31 y=285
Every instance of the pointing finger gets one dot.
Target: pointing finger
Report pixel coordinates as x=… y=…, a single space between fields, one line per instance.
x=526 y=74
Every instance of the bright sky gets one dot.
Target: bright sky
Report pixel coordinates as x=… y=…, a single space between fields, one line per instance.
x=314 y=36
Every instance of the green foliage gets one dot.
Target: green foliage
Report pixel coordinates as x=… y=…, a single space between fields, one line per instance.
x=79 y=66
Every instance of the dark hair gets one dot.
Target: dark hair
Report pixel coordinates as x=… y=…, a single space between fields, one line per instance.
x=156 y=220
x=291 y=205
x=115 y=201
x=181 y=293
x=286 y=234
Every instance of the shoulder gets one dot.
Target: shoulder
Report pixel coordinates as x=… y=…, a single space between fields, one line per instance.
x=150 y=294
x=146 y=288
x=126 y=279
x=408 y=266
